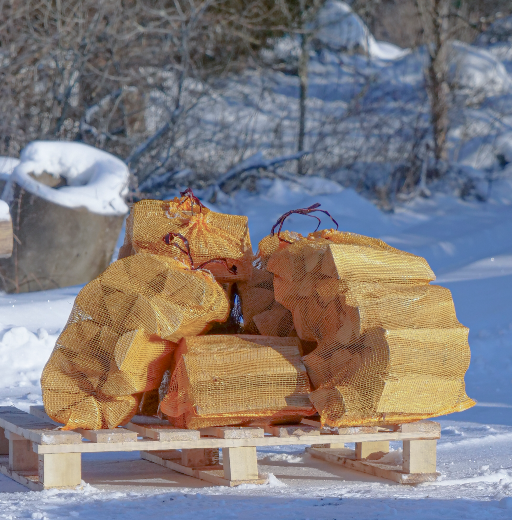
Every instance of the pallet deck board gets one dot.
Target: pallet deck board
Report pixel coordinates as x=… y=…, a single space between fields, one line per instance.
x=35 y=429
x=108 y=436
x=230 y=432
x=212 y=442
x=159 y=432
x=293 y=430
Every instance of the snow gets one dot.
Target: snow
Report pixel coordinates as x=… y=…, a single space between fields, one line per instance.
x=476 y=70
x=366 y=108
x=96 y=180
x=4 y=211
x=499 y=31
x=340 y=29
x=475 y=450
x=364 y=112
x=504 y=146
x=7 y=165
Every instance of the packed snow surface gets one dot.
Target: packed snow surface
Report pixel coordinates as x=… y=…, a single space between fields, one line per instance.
x=469 y=246
x=95 y=179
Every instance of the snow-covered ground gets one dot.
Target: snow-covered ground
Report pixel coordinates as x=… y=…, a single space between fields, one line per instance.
x=469 y=245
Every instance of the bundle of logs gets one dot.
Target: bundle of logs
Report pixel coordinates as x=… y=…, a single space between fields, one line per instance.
x=190 y=325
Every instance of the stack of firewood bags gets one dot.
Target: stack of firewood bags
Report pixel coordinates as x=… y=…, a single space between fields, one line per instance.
x=189 y=321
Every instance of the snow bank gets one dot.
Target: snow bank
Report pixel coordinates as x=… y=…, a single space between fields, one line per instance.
x=476 y=71
x=504 y=146
x=338 y=28
x=25 y=353
x=95 y=179
x=4 y=211
x=7 y=165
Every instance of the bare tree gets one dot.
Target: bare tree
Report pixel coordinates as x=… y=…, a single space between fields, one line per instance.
x=435 y=20
x=87 y=70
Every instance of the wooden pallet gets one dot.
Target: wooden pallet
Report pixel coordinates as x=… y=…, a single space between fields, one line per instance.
x=36 y=453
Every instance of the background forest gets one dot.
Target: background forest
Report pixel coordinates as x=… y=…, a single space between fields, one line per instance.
x=391 y=97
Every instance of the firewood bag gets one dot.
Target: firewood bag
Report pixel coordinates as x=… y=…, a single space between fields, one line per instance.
x=120 y=337
x=237 y=380
x=210 y=235
x=389 y=346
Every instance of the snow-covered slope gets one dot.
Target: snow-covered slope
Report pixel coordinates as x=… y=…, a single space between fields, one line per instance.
x=367 y=112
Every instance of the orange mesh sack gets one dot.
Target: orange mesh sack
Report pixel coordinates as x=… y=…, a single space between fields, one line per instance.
x=261 y=313
x=210 y=235
x=121 y=335
x=237 y=380
x=390 y=348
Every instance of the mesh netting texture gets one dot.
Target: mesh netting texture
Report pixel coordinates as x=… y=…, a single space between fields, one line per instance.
x=211 y=235
x=339 y=323
x=120 y=337
x=390 y=348
x=261 y=313
x=237 y=380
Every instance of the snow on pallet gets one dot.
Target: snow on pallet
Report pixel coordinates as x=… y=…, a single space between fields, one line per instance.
x=36 y=453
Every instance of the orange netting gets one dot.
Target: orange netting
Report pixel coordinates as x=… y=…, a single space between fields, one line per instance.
x=383 y=345
x=261 y=313
x=237 y=380
x=211 y=235
x=390 y=348
x=120 y=337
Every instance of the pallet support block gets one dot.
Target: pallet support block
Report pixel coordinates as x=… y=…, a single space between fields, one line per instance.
x=21 y=455
x=240 y=463
x=371 y=450
x=420 y=456
x=200 y=457
x=60 y=470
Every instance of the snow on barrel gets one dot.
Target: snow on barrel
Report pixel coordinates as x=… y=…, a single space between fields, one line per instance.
x=67 y=206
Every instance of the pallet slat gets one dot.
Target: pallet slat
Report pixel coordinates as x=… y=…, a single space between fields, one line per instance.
x=227 y=432
x=108 y=436
x=210 y=442
x=294 y=430
x=163 y=433
x=212 y=474
x=35 y=429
